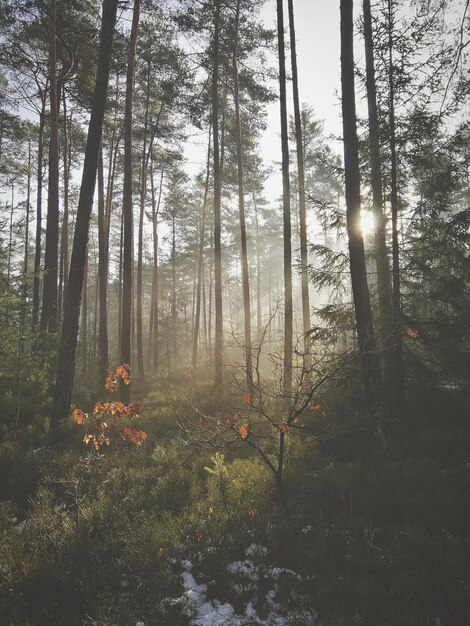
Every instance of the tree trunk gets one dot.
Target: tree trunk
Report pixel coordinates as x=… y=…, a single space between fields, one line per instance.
x=26 y=235
x=174 y=315
x=49 y=301
x=259 y=319
x=121 y=245
x=383 y=270
x=301 y=185
x=127 y=205
x=288 y=307
x=143 y=195
x=102 y=277
x=399 y=373
x=85 y=323
x=153 y=339
x=37 y=252
x=10 y=240
x=68 y=340
x=363 y=313
x=241 y=209
x=64 y=240
x=219 y=336
x=202 y=235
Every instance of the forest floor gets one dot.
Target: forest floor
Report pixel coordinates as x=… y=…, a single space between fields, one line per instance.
x=170 y=534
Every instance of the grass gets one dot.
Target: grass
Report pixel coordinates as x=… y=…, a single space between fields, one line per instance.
x=375 y=537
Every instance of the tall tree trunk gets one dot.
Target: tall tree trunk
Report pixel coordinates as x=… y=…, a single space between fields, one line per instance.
x=37 y=251
x=121 y=255
x=259 y=319
x=219 y=333
x=85 y=322
x=127 y=204
x=301 y=186
x=68 y=340
x=288 y=307
x=399 y=373
x=241 y=209
x=143 y=196
x=49 y=300
x=363 y=313
x=209 y=330
x=26 y=235
x=383 y=270
x=202 y=235
x=153 y=339
x=10 y=239
x=102 y=276
x=64 y=241
x=174 y=315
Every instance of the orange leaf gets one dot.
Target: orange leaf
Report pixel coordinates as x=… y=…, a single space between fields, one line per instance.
x=110 y=382
x=244 y=431
x=136 y=436
x=79 y=416
x=124 y=371
x=246 y=398
x=315 y=409
x=121 y=409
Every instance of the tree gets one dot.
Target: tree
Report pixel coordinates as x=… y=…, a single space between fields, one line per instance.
x=49 y=298
x=301 y=181
x=288 y=305
x=241 y=208
x=360 y=290
x=381 y=255
x=127 y=204
x=68 y=339
x=219 y=331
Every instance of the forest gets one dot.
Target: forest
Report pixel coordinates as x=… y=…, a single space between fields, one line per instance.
x=234 y=343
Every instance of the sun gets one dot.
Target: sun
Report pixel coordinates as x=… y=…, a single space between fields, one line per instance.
x=367 y=223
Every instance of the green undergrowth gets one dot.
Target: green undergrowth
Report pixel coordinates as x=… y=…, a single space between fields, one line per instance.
x=374 y=536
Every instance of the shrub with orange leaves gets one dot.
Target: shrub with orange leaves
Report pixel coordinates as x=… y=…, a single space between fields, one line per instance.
x=109 y=412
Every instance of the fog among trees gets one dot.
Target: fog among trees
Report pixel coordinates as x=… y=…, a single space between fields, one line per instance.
x=234 y=382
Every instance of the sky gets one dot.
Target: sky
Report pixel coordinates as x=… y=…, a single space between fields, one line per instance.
x=318 y=59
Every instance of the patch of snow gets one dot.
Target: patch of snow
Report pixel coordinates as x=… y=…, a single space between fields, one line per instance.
x=255 y=550
x=206 y=612
x=244 y=568
x=21 y=526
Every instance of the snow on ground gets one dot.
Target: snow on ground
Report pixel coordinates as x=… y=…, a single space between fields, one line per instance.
x=206 y=612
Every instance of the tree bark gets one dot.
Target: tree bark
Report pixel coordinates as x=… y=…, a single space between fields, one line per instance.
x=37 y=251
x=360 y=290
x=102 y=276
x=68 y=340
x=200 y=267
x=48 y=321
x=143 y=196
x=383 y=270
x=399 y=373
x=301 y=185
x=127 y=205
x=153 y=339
x=286 y=210
x=219 y=336
x=241 y=210
x=64 y=240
